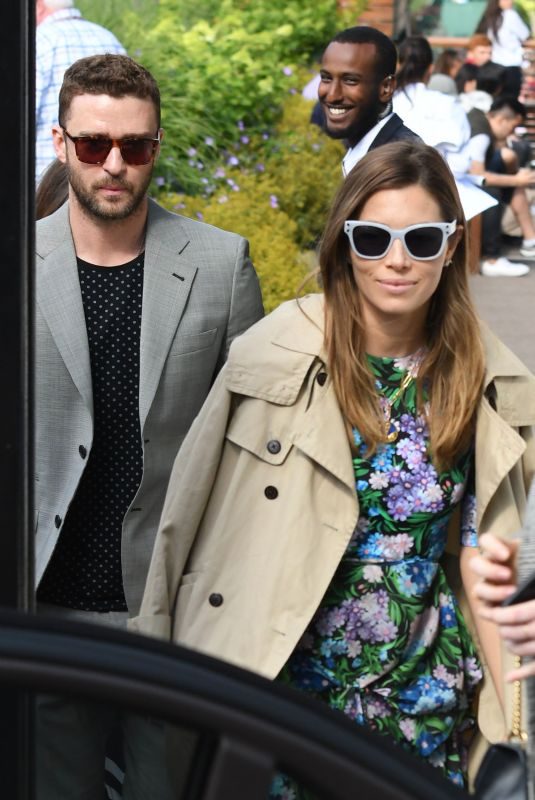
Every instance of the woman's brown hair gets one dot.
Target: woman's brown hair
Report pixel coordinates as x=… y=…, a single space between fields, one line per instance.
x=453 y=366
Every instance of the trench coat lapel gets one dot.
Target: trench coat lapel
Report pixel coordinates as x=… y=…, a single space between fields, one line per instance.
x=167 y=282
x=60 y=299
x=494 y=435
x=332 y=452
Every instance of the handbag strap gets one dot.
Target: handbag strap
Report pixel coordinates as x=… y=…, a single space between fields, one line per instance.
x=517 y=731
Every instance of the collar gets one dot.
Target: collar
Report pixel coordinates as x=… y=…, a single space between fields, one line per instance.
x=271 y=360
x=358 y=151
x=61 y=14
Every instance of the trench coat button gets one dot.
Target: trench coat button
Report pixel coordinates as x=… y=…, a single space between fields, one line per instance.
x=271 y=492
x=83 y=451
x=322 y=377
x=57 y=521
x=274 y=447
x=216 y=599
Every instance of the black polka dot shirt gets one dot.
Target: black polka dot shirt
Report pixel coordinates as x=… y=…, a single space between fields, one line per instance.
x=85 y=569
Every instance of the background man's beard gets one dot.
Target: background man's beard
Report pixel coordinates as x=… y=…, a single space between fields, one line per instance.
x=102 y=210
x=365 y=121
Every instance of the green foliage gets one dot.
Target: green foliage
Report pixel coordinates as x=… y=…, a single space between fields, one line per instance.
x=222 y=65
x=281 y=207
x=253 y=212
x=239 y=151
x=307 y=167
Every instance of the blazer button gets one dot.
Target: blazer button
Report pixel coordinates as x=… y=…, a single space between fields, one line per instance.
x=271 y=492
x=57 y=521
x=274 y=447
x=216 y=599
x=322 y=377
x=82 y=450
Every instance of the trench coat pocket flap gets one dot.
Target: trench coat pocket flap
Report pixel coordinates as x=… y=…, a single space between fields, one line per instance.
x=156 y=625
x=268 y=444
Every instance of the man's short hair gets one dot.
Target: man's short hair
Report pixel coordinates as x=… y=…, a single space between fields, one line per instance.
x=478 y=40
x=111 y=74
x=508 y=106
x=387 y=56
x=490 y=78
x=468 y=72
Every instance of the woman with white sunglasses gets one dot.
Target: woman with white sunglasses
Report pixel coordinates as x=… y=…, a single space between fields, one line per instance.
x=352 y=438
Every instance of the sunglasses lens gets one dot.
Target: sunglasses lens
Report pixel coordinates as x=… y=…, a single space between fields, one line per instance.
x=95 y=149
x=92 y=149
x=370 y=242
x=137 y=151
x=424 y=242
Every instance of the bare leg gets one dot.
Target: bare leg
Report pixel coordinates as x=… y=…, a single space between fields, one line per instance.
x=520 y=208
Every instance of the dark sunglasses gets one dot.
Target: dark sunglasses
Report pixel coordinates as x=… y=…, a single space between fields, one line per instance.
x=422 y=242
x=96 y=149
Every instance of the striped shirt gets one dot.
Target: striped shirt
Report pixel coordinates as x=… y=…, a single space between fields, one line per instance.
x=62 y=38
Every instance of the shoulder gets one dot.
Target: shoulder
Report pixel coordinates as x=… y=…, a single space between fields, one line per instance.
x=401 y=132
x=513 y=381
x=52 y=230
x=271 y=358
x=168 y=225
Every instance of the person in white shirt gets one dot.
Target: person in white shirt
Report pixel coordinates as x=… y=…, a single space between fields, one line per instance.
x=507 y=31
x=357 y=81
x=497 y=163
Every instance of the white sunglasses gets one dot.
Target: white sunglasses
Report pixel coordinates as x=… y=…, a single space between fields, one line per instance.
x=423 y=242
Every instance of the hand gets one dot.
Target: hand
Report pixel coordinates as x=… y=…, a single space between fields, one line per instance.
x=495 y=567
x=525 y=177
x=517 y=628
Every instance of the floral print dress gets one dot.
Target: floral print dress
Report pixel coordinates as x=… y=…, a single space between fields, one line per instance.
x=388 y=645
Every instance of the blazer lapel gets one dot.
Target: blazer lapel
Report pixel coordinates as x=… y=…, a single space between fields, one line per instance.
x=60 y=300
x=167 y=282
x=387 y=131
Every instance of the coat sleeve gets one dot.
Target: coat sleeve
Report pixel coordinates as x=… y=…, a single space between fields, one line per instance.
x=246 y=306
x=190 y=486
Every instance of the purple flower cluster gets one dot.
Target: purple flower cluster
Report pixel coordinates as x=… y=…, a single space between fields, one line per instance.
x=365 y=619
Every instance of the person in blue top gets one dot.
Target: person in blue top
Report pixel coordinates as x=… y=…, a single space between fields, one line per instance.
x=61 y=38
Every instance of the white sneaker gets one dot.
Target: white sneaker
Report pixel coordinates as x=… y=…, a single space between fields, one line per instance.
x=527 y=251
x=503 y=268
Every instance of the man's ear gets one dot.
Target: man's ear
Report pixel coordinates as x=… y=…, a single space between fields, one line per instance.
x=58 y=139
x=387 y=88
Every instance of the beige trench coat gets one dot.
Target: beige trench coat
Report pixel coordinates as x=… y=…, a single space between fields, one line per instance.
x=261 y=503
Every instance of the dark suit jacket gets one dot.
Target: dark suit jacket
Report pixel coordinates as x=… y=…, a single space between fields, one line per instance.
x=393 y=131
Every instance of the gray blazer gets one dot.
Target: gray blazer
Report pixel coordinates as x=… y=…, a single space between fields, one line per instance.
x=200 y=291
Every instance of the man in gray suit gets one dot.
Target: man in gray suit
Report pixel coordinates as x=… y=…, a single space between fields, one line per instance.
x=136 y=310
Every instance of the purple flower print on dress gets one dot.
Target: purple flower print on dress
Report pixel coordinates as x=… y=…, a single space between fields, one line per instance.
x=367 y=618
x=377 y=708
x=354 y=648
x=328 y=620
x=441 y=673
x=353 y=708
x=399 y=508
x=457 y=492
x=373 y=573
x=408 y=728
x=473 y=671
x=411 y=363
x=379 y=480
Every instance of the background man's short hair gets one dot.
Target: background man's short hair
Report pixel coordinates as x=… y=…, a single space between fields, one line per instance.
x=386 y=51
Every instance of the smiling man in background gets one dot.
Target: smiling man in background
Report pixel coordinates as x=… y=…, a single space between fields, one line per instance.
x=357 y=81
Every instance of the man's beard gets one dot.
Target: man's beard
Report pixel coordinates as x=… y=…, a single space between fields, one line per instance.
x=103 y=210
x=367 y=118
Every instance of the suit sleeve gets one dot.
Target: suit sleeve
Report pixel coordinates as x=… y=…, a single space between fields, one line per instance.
x=246 y=306
x=188 y=493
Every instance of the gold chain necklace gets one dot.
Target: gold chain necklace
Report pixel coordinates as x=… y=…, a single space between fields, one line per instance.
x=390 y=430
